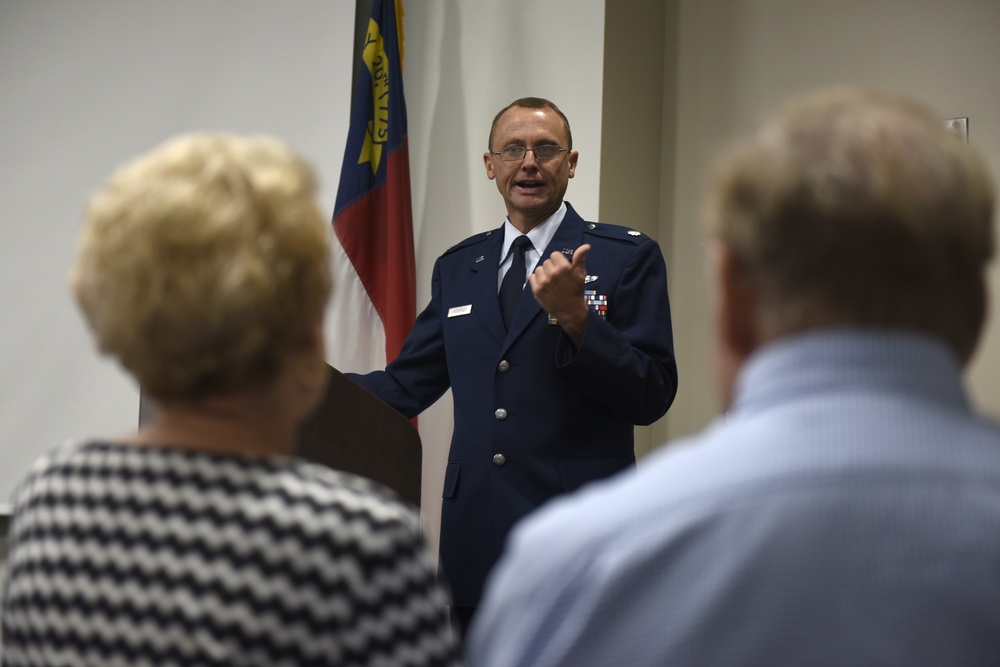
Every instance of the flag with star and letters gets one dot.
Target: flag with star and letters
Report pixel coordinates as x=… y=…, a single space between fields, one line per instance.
x=373 y=218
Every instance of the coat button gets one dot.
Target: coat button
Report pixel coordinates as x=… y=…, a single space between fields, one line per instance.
x=591 y=225
x=499 y=460
x=504 y=366
x=500 y=414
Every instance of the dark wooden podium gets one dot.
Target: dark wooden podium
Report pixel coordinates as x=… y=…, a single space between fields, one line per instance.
x=354 y=431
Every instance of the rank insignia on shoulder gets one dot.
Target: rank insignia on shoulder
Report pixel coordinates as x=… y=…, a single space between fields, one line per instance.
x=596 y=302
x=632 y=232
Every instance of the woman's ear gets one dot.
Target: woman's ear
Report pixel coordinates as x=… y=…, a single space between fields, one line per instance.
x=309 y=364
x=317 y=340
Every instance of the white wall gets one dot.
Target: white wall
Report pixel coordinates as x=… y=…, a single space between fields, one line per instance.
x=87 y=86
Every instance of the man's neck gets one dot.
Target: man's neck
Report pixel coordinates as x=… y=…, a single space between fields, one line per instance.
x=242 y=424
x=525 y=223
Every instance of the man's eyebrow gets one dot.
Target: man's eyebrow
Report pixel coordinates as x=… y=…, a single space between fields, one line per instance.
x=547 y=140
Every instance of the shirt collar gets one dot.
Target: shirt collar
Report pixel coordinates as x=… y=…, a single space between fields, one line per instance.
x=540 y=235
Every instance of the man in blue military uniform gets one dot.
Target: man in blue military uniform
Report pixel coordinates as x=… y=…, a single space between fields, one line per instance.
x=547 y=390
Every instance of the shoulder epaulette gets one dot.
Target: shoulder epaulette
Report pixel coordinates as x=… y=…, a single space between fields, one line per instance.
x=613 y=232
x=472 y=240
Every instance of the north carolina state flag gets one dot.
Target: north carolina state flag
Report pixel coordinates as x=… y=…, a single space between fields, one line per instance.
x=373 y=219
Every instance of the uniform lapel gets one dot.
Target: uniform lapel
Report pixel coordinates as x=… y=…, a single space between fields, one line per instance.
x=483 y=277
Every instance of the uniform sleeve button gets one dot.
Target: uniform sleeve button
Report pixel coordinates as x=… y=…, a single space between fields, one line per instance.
x=499 y=460
x=500 y=414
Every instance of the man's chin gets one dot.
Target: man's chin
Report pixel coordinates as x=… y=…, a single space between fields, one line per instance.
x=532 y=203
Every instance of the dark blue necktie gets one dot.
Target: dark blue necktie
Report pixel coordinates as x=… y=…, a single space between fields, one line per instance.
x=513 y=280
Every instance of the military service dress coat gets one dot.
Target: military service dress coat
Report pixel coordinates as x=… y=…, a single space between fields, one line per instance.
x=534 y=415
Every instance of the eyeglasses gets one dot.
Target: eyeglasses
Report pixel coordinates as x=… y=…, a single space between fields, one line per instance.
x=512 y=153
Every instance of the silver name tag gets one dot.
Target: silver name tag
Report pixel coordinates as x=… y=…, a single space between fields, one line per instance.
x=458 y=311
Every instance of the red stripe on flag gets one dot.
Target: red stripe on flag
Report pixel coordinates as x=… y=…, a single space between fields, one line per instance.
x=376 y=232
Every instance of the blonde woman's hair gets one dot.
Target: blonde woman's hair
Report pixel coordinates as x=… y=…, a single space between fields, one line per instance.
x=203 y=263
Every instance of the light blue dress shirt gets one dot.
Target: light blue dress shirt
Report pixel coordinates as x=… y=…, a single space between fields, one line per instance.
x=845 y=512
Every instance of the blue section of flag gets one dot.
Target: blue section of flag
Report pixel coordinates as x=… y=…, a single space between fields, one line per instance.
x=378 y=111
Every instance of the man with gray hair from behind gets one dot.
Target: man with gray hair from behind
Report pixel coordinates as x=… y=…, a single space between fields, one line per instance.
x=846 y=509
